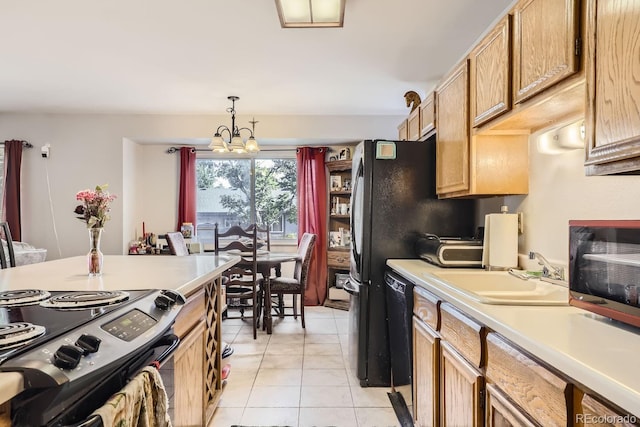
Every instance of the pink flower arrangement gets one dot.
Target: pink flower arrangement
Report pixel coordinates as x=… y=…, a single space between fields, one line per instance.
x=95 y=208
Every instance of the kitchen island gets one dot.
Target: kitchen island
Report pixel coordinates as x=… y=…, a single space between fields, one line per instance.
x=592 y=354
x=198 y=277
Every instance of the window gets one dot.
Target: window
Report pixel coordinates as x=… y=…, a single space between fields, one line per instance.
x=245 y=191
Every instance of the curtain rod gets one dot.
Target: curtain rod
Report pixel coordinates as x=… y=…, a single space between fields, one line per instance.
x=25 y=144
x=172 y=150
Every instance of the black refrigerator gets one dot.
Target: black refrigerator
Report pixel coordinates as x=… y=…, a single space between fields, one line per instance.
x=393 y=202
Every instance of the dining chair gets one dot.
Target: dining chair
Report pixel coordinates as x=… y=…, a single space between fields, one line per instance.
x=7 y=255
x=240 y=281
x=264 y=236
x=297 y=284
x=177 y=245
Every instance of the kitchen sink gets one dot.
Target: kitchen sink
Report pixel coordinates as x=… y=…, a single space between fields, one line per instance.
x=500 y=287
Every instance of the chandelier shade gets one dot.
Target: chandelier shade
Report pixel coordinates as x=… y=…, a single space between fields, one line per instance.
x=235 y=143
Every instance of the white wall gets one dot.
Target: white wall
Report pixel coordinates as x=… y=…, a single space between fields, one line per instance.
x=560 y=191
x=87 y=150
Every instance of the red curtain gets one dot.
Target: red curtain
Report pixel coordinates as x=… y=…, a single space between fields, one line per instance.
x=11 y=198
x=187 y=192
x=312 y=217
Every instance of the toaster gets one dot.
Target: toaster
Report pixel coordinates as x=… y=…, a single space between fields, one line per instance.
x=461 y=252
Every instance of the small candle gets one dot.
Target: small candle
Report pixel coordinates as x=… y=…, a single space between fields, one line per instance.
x=143 y=231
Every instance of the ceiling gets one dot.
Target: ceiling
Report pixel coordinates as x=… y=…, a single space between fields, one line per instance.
x=169 y=57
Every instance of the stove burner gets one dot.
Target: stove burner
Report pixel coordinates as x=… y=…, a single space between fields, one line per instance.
x=17 y=334
x=85 y=299
x=22 y=297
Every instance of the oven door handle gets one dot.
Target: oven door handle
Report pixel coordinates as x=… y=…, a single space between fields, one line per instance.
x=170 y=340
x=94 y=421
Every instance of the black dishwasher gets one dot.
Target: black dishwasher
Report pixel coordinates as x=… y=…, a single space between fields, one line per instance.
x=399 y=313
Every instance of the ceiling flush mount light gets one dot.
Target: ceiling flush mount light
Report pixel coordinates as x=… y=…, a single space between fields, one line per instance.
x=310 y=13
x=235 y=143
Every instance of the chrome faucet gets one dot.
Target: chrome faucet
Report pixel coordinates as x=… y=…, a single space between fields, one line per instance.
x=549 y=270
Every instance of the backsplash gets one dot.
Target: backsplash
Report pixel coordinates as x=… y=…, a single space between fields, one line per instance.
x=558 y=192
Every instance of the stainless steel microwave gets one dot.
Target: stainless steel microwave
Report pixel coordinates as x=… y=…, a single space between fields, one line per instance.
x=604 y=268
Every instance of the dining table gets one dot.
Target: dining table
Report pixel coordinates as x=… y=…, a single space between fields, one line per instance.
x=266 y=262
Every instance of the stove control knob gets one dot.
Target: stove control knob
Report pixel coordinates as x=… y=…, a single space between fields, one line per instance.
x=67 y=356
x=88 y=343
x=163 y=302
x=168 y=299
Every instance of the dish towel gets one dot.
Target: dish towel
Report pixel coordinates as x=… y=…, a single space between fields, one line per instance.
x=141 y=403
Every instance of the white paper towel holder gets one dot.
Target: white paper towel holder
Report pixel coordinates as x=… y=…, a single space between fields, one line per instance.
x=486 y=251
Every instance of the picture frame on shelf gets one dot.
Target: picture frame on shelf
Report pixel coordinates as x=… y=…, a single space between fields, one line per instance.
x=346 y=238
x=336 y=183
x=335 y=239
x=345 y=154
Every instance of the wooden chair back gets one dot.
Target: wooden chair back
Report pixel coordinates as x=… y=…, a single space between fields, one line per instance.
x=177 y=245
x=5 y=261
x=305 y=252
x=241 y=280
x=264 y=236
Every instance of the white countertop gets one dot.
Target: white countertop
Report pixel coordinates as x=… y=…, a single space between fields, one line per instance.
x=121 y=272
x=594 y=351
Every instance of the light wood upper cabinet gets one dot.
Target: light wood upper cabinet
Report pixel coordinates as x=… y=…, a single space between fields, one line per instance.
x=413 y=125
x=613 y=87
x=452 y=148
x=546 y=45
x=403 y=130
x=479 y=165
x=428 y=115
x=490 y=69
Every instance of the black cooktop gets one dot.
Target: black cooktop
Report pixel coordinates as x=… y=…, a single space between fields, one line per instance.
x=30 y=317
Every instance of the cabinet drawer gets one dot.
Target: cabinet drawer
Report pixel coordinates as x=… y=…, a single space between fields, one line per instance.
x=540 y=392
x=191 y=314
x=426 y=306
x=592 y=412
x=464 y=334
x=338 y=259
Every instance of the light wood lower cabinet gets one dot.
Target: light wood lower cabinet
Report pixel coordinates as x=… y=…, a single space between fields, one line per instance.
x=542 y=395
x=462 y=389
x=590 y=411
x=426 y=375
x=501 y=412
x=465 y=375
x=188 y=403
x=197 y=382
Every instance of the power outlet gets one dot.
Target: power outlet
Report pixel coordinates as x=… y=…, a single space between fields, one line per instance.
x=520 y=222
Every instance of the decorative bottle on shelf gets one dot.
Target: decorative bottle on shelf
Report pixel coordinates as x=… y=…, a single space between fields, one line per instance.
x=187 y=230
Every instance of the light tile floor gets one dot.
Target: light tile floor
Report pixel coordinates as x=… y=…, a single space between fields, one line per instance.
x=297 y=377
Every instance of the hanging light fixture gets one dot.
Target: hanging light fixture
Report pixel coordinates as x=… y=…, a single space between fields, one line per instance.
x=310 y=13
x=235 y=143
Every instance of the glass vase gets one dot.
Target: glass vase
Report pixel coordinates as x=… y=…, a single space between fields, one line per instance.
x=95 y=256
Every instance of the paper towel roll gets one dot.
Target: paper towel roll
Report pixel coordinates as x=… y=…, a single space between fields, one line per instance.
x=500 y=241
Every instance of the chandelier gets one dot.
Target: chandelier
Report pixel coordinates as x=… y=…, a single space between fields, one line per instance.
x=235 y=143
